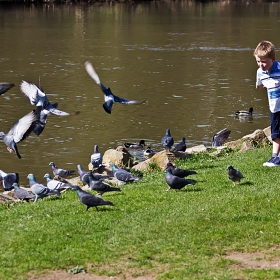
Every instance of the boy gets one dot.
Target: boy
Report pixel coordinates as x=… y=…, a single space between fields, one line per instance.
x=268 y=76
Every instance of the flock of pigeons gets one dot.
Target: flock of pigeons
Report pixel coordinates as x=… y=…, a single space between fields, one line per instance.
x=36 y=120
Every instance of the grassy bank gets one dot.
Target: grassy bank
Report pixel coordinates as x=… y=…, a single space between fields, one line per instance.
x=183 y=234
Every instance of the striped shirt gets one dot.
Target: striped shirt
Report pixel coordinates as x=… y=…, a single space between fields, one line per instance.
x=271 y=81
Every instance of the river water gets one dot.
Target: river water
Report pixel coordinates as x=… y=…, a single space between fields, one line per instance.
x=193 y=64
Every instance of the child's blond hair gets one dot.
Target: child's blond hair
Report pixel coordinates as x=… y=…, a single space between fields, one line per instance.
x=265 y=49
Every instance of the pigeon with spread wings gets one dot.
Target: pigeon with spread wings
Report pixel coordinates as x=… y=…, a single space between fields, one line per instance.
x=19 y=131
x=37 y=97
x=109 y=97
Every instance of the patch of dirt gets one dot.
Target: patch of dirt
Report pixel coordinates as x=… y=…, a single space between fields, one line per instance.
x=257 y=260
x=64 y=275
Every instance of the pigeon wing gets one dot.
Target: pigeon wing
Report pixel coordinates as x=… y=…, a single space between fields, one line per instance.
x=33 y=93
x=23 y=127
x=127 y=101
x=5 y=87
x=91 y=71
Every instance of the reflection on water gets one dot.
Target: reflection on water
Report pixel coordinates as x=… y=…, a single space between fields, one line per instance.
x=192 y=62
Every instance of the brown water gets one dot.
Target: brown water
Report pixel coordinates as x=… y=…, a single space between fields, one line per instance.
x=192 y=62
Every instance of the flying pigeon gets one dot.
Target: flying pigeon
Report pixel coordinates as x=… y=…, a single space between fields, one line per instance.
x=122 y=175
x=40 y=125
x=109 y=97
x=135 y=146
x=22 y=194
x=61 y=172
x=84 y=175
x=234 y=175
x=40 y=190
x=55 y=184
x=19 y=131
x=96 y=158
x=167 y=140
x=5 y=87
x=8 y=179
x=178 y=171
x=37 y=97
x=220 y=138
x=175 y=182
x=89 y=199
x=181 y=146
x=100 y=186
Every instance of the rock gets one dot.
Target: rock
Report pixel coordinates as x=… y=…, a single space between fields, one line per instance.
x=142 y=166
x=119 y=156
x=267 y=132
x=258 y=137
x=196 y=149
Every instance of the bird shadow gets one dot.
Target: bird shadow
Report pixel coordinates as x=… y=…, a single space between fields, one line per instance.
x=192 y=190
x=248 y=183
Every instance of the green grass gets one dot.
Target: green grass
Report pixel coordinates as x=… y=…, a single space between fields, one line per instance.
x=173 y=235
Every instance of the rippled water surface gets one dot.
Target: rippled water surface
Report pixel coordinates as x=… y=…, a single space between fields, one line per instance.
x=192 y=63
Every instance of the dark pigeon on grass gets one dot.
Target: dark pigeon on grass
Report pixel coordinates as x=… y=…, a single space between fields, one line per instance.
x=220 y=138
x=178 y=171
x=5 y=87
x=89 y=199
x=84 y=176
x=100 y=186
x=63 y=173
x=8 y=179
x=234 y=175
x=109 y=97
x=20 y=130
x=177 y=183
x=22 y=194
x=122 y=175
x=181 y=146
x=38 y=97
x=40 y=190
x=167 y=140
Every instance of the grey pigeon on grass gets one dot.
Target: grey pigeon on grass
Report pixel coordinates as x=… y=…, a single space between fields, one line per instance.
x=181 y=146
x=220 y=138
x=177 y=183
x=37 y=97
x=20 y=130
x=22 y=194
x=167 y=140
x=178 y=171
x=100 y=186
x=89 y=199
x=234 y=175
x=109 y=97
x=55 y=184
x=8 y=179
x=96 y=158
x=5 y=87
x=122 y=175
x=63 y=173
x=40 y=190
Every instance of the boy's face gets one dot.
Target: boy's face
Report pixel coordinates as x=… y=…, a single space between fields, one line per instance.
x=264 y=63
